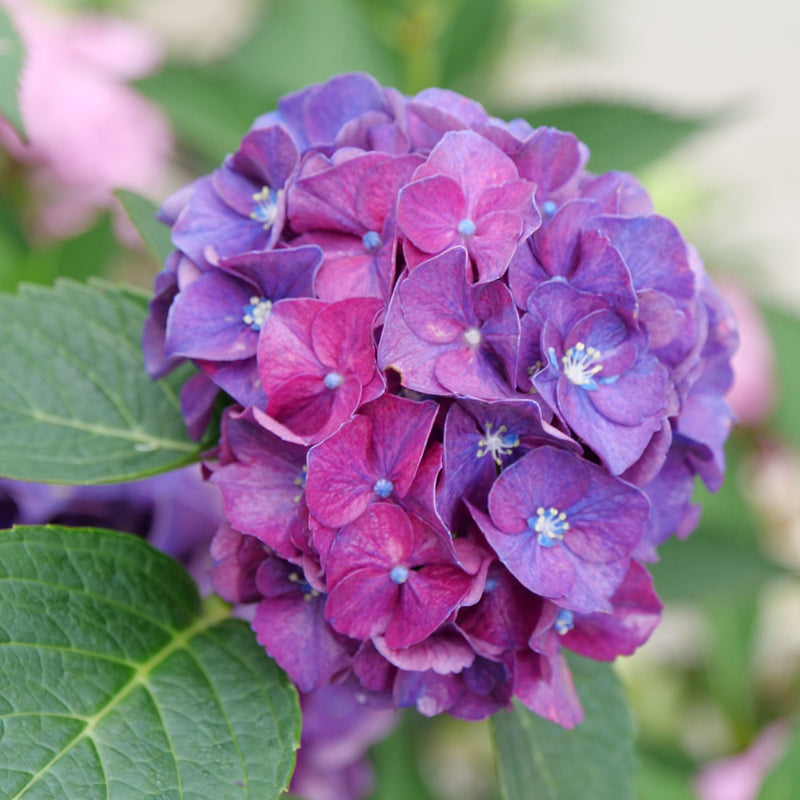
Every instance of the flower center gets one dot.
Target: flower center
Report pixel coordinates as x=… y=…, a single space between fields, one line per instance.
x=371 y=241
x=333 y=380
x=256 y=311
x=472 y=336
x=551 y=525
x=305 y=587
x=564 y=622
x=466 y=228
x=383 y=487
x=580 y=365
x=265 y=208
x=399 y=574
x=498 y=444
x=300 y=481
x=549 y=208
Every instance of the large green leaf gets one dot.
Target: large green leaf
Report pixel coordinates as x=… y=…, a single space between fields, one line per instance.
x=538 y=759
x=620 y=136
x=11 y=59
x=116 y=681
x=142 y=214
x=76 y=405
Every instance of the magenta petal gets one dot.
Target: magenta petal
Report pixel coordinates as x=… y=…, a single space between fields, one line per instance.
x=312 y=411
x=428 y=211
x=342 y=336
x=444 y=653
x=361 y=604
x=381 y=537
x=472 y=161
x=426 y=600
x=285 y=346
x=494 y=243
x=340 y=477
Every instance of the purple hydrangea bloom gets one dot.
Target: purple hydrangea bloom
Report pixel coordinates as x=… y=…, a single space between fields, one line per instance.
x=445 y=335
x=475 y=384
x=467 y=193
x=564 y=527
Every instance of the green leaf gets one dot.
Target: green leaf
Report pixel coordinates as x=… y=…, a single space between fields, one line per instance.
x=142 y=214
x=210 y=111
x=538 y=759
x=659 y=781
x=396 y=763
x=722 y=558
x=338 y=40
x=472 y=35
x=89 y=254
x=11 y=60
x=784 y=329
x=116 y=681
x=620 y=136
x=782 y=782
x=76 y=405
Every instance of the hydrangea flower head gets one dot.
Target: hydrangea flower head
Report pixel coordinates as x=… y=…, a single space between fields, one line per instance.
x=472 y=385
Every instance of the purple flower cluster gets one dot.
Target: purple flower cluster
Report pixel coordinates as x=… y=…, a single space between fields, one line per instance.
x=472 y=386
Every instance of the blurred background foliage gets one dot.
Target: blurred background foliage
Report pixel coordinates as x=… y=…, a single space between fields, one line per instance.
x=726 y=661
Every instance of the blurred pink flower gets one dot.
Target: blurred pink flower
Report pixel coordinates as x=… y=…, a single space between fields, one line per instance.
x=740 y=777
x=88 y=132
x=752 y=395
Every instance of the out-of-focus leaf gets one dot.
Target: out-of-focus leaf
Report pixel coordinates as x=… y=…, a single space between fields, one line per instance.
x=117 y=681
x=783 y=781
x=471 y=37
x=658 y=781
x=11 y=61
x=707 y=565
x=76 y=405
x=732 y=621
x=142 y=214
x=621 y=136
x=86 y=255
x=306 y=41
x=396 y=762
x=210 y=111
x=722 y=558
x=538 y=759
x=784 y=329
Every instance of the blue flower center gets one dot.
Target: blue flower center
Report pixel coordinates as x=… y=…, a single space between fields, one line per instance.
x=549 y=208
x=498 y=444
x=490 y=585
x=564 y=622
x=579 y=365
x=256 y=311
x=383 y=487
x=265 y=208
x=371 y=241
x=333 y=380
x=399 y=574
x=550 y=524
x=466 y=228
